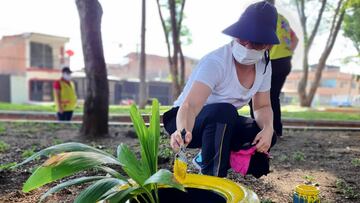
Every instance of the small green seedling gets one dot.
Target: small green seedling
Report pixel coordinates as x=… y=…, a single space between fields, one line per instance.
x=4 y=146
x=2 y=128
x=309 y=178
x=298 y=156
x=283 y=158
x=355 y=162
x=28 y=152
x=57 y=141
x=346 y=189
x=7 y=166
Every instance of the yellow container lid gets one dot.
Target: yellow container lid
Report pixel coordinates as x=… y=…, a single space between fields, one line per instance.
x=307 y=190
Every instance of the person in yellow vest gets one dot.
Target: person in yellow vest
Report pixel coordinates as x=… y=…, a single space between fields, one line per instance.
x=280 y=57
x=65 y=96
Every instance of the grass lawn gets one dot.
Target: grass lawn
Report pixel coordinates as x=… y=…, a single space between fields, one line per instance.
x=290 y=111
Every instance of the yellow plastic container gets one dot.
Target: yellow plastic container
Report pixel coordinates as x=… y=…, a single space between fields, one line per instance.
x=306 y=194
x=233 y=192
x=180 y=170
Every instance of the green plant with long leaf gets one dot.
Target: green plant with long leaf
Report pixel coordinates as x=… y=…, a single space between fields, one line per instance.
x=142 y=180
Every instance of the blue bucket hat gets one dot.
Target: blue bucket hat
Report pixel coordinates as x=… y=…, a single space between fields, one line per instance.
x=257 y=24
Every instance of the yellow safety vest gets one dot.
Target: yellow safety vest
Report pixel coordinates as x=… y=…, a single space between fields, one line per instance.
x=283 y=32
x=68 y=96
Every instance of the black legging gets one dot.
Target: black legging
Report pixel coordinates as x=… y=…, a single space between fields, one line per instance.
x=218 y=129
x=280 y=70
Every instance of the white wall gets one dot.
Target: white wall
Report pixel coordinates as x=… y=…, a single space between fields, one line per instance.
x=19 y=90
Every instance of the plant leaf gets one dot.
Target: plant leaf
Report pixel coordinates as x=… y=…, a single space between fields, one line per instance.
x=70 y=183
x=164 y=177
x=143 y=136
x=112 y=172
x=96 y=190
x=65 y=147
x=123 y=195
x=154 y=135
x=65 y=164
x=133 y=167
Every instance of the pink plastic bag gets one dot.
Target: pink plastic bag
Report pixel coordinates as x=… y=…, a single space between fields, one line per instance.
x=240 y=160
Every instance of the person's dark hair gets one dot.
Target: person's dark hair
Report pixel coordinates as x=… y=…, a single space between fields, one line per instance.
x=66 y=70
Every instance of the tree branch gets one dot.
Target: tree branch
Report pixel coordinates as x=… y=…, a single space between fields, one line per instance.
x=316 y=26
x=165 y=32
x=181 y=14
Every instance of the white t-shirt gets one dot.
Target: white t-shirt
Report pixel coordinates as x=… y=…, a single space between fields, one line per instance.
x=217 y=70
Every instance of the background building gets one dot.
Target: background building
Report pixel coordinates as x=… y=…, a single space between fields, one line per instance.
x=29 y=63
x=336 y=88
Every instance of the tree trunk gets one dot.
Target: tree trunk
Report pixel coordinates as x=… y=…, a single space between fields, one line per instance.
x=306 y=96
x=322 y=61
x=175 y=56
x=96 y=109
x=182 y=68
x=142 y=72
x=175 y=40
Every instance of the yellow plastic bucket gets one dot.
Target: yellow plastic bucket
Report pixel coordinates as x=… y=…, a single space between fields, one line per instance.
x=231 y=191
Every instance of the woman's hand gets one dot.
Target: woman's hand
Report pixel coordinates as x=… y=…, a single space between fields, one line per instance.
x=176 y=141
x=263 y=140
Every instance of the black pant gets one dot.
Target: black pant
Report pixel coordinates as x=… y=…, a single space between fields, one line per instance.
x=280 y=70
x=65 y=116
x=218 y=130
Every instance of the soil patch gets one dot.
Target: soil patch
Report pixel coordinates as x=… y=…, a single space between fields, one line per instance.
x=329 y=159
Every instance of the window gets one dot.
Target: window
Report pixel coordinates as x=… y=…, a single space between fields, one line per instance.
x=328 y=83
x=41 y=55
x=41 y=90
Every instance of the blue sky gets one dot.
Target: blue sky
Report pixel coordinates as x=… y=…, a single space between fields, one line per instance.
x=121 y=25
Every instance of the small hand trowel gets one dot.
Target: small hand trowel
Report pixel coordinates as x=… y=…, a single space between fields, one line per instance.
x=180 y=164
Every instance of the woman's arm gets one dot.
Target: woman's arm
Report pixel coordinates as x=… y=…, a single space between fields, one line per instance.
x=187 y=113
x=264 y=118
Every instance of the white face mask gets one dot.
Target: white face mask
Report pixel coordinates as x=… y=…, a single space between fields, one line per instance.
x=67 y=76
x=246 y=56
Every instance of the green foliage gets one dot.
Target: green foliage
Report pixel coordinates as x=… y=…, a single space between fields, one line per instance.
x=63 y=165
x=7 y=166
x=2 y=128
x=4 y=146
x=283 y=158
x=309 y=179
x=28 y=152
x=355 y=162
x=109 y=151
x=289 y=111
x=57 y=141
x=184 y=33
x=166 y=153
x=298 y=156
x=70 y=183
x=113 y=109
x=346 y=189
x=351 y=25
x=69 y=158
x=94 y=192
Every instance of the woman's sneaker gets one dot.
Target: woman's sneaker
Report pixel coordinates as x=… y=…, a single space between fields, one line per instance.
x=197 y=161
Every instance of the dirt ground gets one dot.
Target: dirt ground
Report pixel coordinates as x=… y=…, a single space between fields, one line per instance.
x=328 y=159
